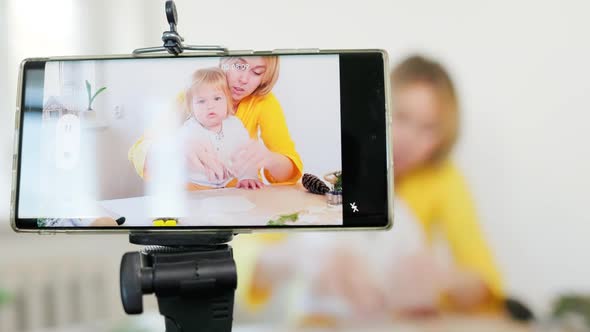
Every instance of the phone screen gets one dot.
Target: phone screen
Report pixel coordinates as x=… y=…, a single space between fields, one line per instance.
x=204 y=142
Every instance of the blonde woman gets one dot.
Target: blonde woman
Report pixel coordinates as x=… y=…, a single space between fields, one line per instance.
x=250 y=81
x=400 y=272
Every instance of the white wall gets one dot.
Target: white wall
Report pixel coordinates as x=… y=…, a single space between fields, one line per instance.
x=7 y=105
x=309 y=92
x=5 y=96
x=522 y=72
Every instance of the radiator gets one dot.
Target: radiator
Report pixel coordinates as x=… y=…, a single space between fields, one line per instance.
x=58 y=293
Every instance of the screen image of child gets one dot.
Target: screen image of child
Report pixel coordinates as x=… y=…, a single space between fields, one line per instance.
x=210 y=124
x=214 y=123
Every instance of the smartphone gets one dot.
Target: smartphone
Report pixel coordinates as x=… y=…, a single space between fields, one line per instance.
x=240 y=141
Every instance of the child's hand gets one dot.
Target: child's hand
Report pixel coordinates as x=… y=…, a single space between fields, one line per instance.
x=202 y=157
x=418 y=284
x=250 y=184
x=346 y=276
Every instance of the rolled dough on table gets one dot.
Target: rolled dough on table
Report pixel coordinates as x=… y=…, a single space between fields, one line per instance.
x=225 y=204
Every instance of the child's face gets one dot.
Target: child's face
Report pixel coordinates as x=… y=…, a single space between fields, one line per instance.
x=209 y=105
x=244 y=75
x=417 y=126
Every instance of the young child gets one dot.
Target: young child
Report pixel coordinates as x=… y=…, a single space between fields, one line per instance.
x=210 y=121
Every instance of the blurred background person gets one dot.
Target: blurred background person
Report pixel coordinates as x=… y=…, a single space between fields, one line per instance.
x=436 y=259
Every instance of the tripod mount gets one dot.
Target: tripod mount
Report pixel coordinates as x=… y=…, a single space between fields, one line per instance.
x=173 y=42
x=192 y=275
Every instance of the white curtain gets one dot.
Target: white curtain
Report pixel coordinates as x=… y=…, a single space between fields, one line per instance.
x=7 y=98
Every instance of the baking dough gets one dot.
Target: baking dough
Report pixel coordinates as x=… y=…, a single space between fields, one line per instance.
x=225 y=204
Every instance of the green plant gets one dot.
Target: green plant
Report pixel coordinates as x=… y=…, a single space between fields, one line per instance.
x=338 y=184
x=91 y=96
x=573 y=304
x=5 y=297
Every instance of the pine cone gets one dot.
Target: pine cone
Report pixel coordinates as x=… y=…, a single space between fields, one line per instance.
x=314 y=184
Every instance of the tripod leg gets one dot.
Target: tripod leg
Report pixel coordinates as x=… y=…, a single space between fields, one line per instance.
x=195 y=285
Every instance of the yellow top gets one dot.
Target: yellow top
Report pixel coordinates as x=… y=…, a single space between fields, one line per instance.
x=440 y=200
x=262 y=113
x=438 y=197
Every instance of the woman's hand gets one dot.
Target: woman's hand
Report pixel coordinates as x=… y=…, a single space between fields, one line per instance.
x=103 y=222
x=250 y=184
x=420 y=279
x=201 y=157
x=250 y=156
x=412 y=288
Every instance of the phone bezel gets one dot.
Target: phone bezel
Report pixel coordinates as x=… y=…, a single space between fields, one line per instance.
x=205 y=229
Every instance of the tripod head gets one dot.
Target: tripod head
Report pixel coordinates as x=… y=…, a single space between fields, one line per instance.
x=172 y=40
x=193 y=276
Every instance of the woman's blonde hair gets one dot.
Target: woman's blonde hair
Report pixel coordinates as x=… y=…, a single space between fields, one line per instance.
x=213 y=77
x=418 y=69
x=270 y=76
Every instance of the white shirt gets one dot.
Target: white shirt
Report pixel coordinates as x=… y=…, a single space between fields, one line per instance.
x=233 y=134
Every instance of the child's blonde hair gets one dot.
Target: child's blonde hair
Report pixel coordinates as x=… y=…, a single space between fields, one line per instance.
x=214 y=77
x=270 y=76
x=418 y=69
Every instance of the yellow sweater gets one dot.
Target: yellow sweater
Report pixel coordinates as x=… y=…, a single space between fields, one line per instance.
x=262 y=113
x=440 y=200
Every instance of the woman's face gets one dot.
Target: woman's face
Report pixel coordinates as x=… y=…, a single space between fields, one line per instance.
x=416 y=126
x=244 y=76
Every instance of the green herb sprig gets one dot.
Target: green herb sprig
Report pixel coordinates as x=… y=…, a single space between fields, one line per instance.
x=283 y=219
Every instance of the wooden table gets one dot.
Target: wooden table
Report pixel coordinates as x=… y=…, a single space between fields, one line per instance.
x=153 y=323
x=213 y=207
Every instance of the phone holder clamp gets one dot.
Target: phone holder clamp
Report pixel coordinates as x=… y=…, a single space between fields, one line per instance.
x=193 y=277
x=173 y=42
